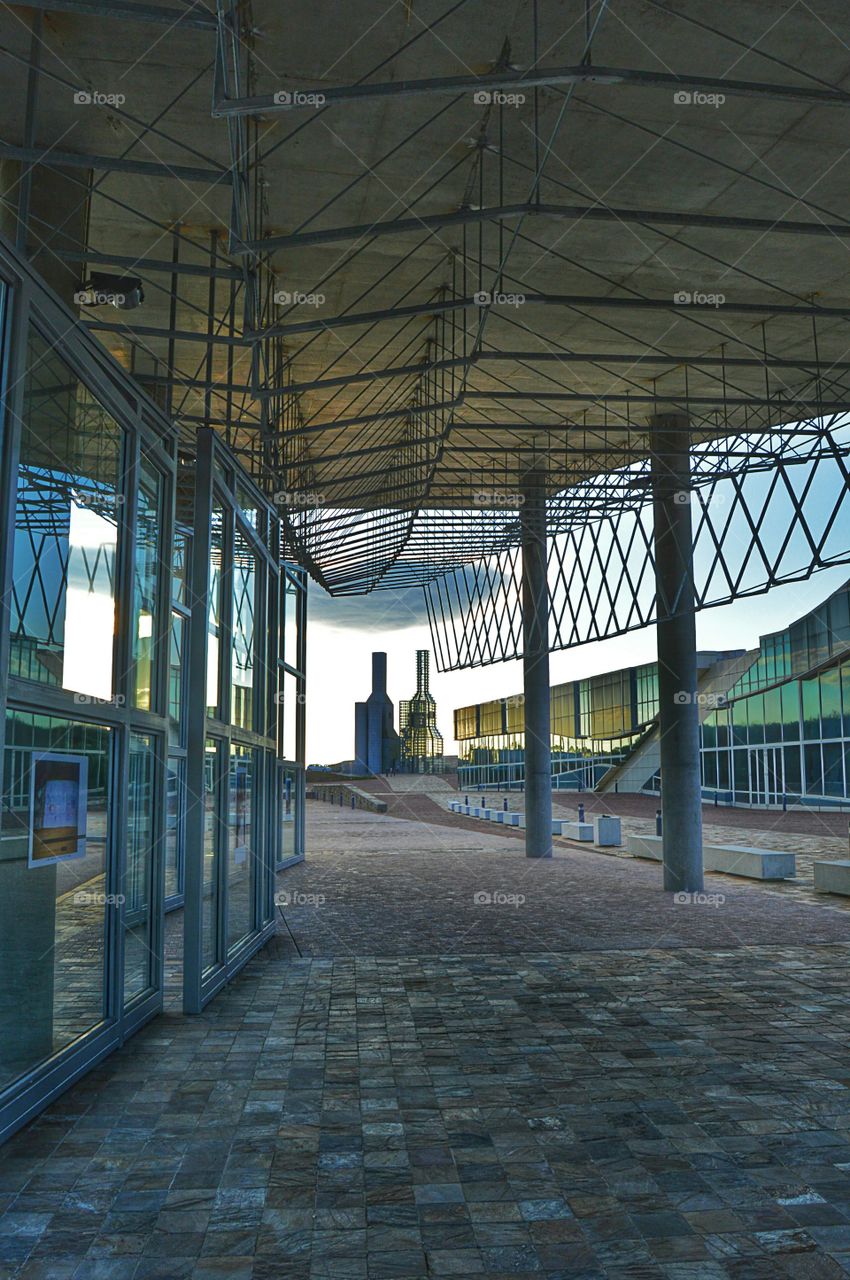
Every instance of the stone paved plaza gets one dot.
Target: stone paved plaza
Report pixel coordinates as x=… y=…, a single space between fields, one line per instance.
x=575 y=1078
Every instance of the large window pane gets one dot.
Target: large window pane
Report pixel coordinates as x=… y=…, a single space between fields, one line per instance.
x=793 y=783
x=814 y=774
x=241 y=857
x=290 y=621
x=243 y=616
x=289 y=716
x=174 y=826
x=176 y=660
x=53 y=890
x=138 y=875
x=830 y=702
x=146 y=585
x=811 y=708
x=288 y=814
x=212 y=845
x=180 y=566
x=214 y=611
x=833 y=769
x=66 y=532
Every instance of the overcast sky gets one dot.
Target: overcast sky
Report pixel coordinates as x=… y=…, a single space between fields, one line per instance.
x=342 y=633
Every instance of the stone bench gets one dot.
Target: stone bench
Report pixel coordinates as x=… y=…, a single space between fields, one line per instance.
x=833 y=877
x=731 y=859
x=573 y=830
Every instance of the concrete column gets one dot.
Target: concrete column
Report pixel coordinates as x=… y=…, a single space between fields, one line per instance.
x=681 y=799
x=535 y=669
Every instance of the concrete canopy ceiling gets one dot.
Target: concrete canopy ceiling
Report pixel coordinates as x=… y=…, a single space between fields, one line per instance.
x=673 y=232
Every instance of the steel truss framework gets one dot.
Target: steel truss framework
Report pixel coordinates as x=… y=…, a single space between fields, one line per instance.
x=397 y=427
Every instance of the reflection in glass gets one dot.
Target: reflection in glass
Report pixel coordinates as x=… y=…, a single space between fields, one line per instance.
x=830 y=701
x=146 y=584
x=793 y=783
x=212 y=844
x=66 y=531
x=52 y=916
x=811 y=708
x=833 y=769
x=244 y=611
x=174 y=819
x=290 y=621
x=241 y=851
x=180 y=567
x=289 y=716
x=288 y=814
x=214 y=610
x=814 y=772
x=138 y=872
x=175 y=678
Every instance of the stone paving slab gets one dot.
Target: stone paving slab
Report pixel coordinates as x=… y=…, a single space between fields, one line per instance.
x=666 y=1110
x=391 y=886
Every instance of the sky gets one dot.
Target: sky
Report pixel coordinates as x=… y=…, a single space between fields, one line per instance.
x=342 y=634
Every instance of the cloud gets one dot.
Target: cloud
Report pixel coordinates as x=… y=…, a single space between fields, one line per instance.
x=378 y=611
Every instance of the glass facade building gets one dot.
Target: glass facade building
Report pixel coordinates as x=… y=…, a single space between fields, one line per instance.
x=776 y=734
x=595 y=723
x=152 y=649
x=783 y=736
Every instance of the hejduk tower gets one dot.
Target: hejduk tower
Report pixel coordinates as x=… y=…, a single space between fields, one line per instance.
x=421 y=740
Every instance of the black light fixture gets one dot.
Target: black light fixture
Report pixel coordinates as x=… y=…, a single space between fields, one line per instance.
x=104 y=290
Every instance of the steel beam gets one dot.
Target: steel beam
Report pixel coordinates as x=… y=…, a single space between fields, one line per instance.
x=151 y=331
x=194 y=15
x=313 y=97
x=575 y=301
x=581 y=213
x=555 y=357
x=386 y=415
x=112 y=164
x=142 y=265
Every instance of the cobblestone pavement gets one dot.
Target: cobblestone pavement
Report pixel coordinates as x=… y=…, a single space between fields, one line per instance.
x=809 y=835
x=592 y=1082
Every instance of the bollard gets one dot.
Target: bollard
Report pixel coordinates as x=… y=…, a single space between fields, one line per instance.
x=353 y=804
x=581 y=813
x=341 y=799
x=658 y=822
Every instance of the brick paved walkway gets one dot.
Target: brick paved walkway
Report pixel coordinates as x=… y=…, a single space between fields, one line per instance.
x=589 y=1082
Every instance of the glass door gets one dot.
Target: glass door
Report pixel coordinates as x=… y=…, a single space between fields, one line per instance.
x=767 y=775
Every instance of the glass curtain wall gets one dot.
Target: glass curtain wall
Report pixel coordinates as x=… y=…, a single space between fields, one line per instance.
x=244 y=718
x=86 y=493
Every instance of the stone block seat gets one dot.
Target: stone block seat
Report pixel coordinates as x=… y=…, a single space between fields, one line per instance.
x=731 y=859
x=833 y=877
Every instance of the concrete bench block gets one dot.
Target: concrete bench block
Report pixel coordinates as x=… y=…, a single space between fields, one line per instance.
x=833 y=877
x=731 y=859
x=608 y=831
x=573 y=830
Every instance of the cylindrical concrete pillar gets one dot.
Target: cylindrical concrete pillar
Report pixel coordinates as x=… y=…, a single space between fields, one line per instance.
x=535 y=666
x=678 y=710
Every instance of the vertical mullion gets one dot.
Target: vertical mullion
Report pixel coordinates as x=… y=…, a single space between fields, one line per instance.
x=196 y=729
